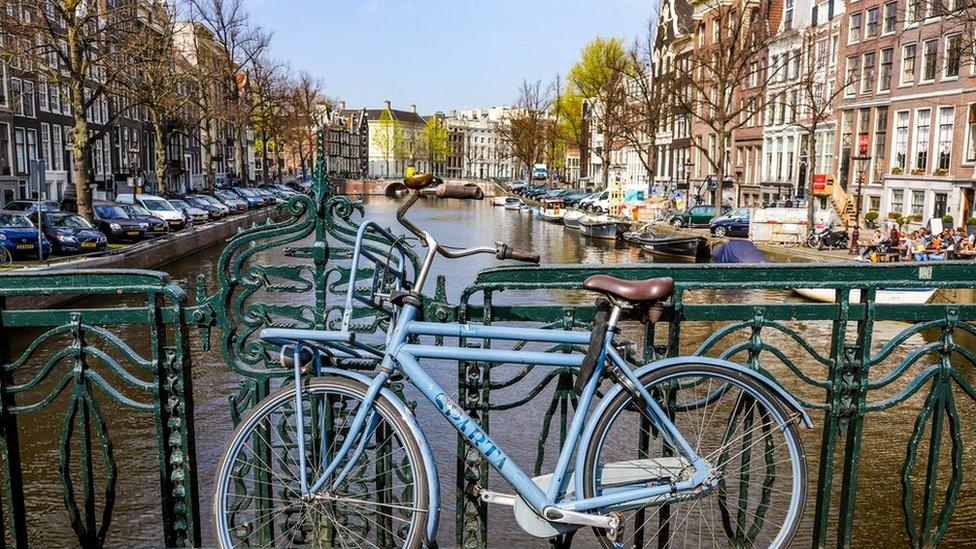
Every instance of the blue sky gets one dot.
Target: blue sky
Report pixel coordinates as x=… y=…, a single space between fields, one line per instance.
x=439 y=54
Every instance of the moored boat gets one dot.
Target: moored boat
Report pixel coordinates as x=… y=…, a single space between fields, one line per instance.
x=499 y=200
x=552 y=209
x=890 y=296
x=602 y=227
x=512 y=203
x=692 y=248
x=571 y=219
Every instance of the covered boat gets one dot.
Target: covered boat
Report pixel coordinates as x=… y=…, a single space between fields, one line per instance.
x=572 y=219
x=603 y=227
x=892 y=296
x=738 y=251
x=512 y=203
x=552 y=209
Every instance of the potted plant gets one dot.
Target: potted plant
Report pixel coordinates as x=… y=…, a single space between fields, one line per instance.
x=871 y=218
x=941 y=172
x=916 y=218
x=897 y=170
x=918 y=171
x=947 y=220
x=971 y=224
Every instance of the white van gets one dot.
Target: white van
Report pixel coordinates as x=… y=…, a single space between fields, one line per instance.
x=158 y=206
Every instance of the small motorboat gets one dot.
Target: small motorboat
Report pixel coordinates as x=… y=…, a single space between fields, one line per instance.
x=692 y=248
x=512 y=203
x=738 y=251
x=499 y=200
x=552 y=209
x=526 y=209
x=891 y=296
x=603 y=227
x=571 y=219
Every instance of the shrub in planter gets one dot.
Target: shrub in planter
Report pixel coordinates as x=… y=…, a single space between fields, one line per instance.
x=915 y=217
x=971 y=221
x=947 y=220
x=896 y=217
x=941 y=172
x=871 y=216
x=897 y=170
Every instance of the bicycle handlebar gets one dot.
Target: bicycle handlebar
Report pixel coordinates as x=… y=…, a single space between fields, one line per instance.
x=507 y=252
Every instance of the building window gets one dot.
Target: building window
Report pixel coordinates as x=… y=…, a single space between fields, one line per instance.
x=930 y=50
x=946 y=115
x=788 y=14
x=923 y=121
x=20 y=150
x=939 y=203
x=16 y=96
x=3 y=84
x=867 y=73
x=5 y=167
x=918 y=203
x=911 y=11
x=873 y=22
x=32 y=145
x=45 y=142
x=880 y=134
x=28 y=102
x=901 y=139
x=898 y=201
x=851 y=81
x=854 y=32
x=890 y=16
x=884 y=78
x=908 y=64
x=971 y=133
x=953 y=50
x=57 y=149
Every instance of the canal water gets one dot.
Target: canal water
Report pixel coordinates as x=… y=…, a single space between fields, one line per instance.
x=879 y=516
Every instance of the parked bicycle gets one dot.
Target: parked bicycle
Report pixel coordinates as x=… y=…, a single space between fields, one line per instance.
x=682 y=451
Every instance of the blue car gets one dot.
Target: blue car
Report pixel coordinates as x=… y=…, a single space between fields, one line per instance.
x=19 y=236
x=734 y=223
x=71 y=233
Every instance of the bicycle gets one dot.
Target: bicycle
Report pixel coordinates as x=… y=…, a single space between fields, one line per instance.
x=337 y=459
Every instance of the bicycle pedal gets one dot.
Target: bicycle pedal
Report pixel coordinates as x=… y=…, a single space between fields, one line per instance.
x=496 y=498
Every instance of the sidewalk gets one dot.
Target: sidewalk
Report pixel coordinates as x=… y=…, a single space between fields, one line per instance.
x=787 y=254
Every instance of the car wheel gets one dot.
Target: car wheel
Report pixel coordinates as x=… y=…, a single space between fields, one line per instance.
x=676 y=223
x=720 y=232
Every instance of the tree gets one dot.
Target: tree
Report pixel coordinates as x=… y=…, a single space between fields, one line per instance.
x=810 y=100
x=570 y=124
x=436 y=142
x=306 y=109
x=82 y=49
x=161 y=84
x=598 y=77
x=268 y=95
x=524 y=130
x=388 y=137
x=727 y=87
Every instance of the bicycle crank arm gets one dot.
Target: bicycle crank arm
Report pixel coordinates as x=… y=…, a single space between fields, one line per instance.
x=606 y=522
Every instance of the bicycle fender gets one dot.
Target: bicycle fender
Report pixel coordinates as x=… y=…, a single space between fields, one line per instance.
x=433 y=483
x=769 y=383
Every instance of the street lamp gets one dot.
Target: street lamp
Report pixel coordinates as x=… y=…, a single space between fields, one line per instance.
x=863 y=160
x=689 y=165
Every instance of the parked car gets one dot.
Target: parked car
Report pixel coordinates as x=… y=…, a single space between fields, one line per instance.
x=192 y=215
x=284 y=190
x=253 y=200
x=155 y=226
x=212 y=206
x=232 y=200
x=734 y=223
x=697 y=216
x=112 y=220
x=590 y=202
x=28 y=207
x=70 y=233
x=157 y=206
x=19 y=236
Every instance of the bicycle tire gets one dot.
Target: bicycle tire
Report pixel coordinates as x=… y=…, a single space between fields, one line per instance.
x=229 y=462
x=732 y=378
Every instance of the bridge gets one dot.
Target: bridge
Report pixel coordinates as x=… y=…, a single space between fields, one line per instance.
x=872 y=375
x=391 y=187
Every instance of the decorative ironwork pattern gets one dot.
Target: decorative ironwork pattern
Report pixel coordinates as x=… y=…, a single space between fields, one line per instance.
x=80 y=361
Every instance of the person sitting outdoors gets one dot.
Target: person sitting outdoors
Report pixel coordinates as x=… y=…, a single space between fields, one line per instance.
x=874 y=246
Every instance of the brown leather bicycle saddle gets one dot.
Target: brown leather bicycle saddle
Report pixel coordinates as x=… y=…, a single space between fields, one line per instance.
x=637 y=292
x=418 y=181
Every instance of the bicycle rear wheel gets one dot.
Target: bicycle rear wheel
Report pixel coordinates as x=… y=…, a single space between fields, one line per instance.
x=382 y=502
x=731 y=420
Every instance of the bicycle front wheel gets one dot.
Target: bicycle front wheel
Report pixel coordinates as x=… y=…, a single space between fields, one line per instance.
x=746 y=434
x=381 y=502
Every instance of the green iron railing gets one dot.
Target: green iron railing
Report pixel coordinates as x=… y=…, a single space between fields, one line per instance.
x=77 y=364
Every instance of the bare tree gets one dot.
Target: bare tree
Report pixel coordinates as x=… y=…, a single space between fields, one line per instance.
x=728 y=78
x=236 y=47
x=524 y=130
x=306 y=109
x=267 y=105
x=81 y=50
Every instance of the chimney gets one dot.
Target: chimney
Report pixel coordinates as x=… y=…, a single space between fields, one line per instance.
x=342 y=105
x=413 y=108
x=386 y=104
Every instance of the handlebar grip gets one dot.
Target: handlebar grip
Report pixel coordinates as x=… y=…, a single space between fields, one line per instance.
x=507 y=252
x=463 y=192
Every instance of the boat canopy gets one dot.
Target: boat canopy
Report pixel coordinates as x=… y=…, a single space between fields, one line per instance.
x=738 y=251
